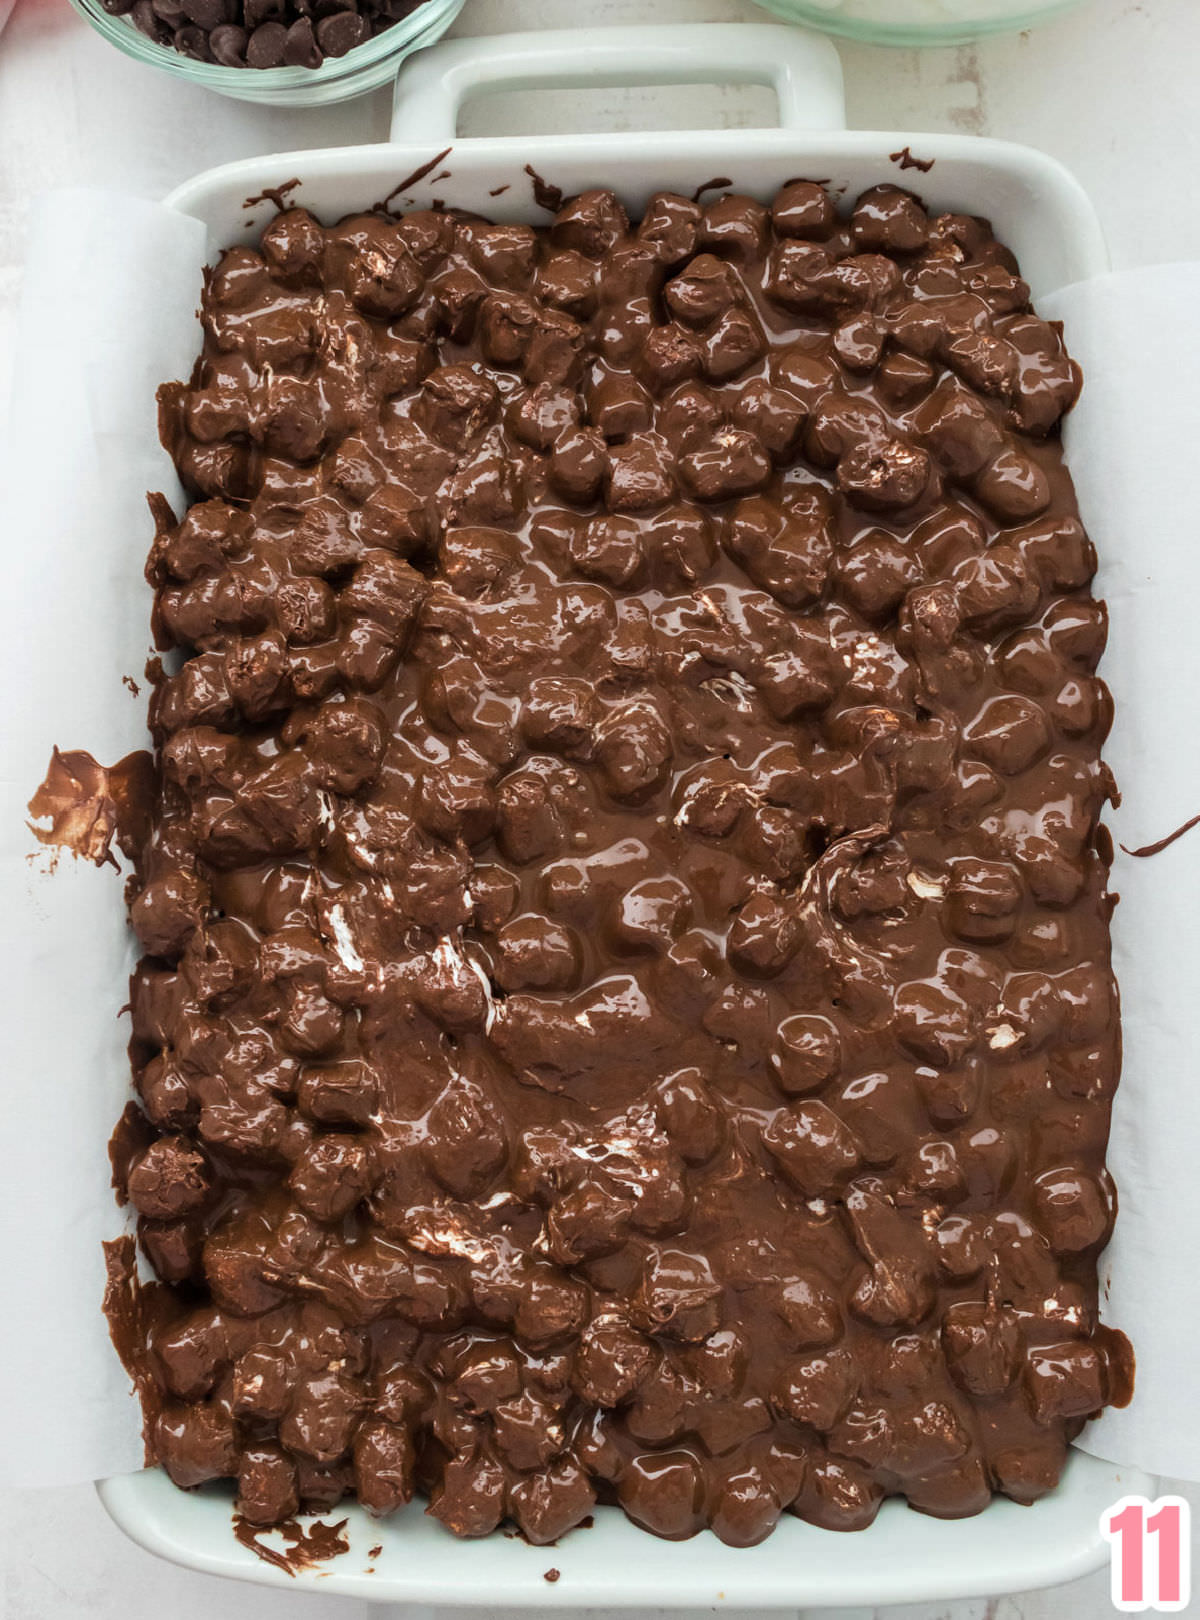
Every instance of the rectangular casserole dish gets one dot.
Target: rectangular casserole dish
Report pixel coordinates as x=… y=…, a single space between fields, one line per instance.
x=1037 y=209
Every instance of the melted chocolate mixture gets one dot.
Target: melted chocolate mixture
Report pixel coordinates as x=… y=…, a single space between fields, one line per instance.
x=89 y=805
x=626 y=1011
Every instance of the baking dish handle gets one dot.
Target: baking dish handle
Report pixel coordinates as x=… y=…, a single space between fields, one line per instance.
x=803 y=69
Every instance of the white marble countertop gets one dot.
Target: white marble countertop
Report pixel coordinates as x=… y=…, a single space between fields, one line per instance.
x=1108 y=89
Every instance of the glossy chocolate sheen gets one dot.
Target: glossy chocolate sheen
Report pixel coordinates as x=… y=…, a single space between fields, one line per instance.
x=626 y=1012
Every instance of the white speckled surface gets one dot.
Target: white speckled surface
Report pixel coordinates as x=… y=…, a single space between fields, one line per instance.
x=1110 y=90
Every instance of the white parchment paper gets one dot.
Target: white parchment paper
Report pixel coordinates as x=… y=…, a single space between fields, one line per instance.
x=111 y=291
x=1133 y=442
x=109 y=314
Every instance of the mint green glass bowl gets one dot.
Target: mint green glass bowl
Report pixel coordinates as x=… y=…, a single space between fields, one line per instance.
x=338 y=78
x=918 y=22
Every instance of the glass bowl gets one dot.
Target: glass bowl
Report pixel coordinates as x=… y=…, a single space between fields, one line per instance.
x=337 y=79
x=917 y=22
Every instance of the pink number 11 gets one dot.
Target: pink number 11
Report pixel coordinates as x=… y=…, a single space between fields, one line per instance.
x=1129 y=1525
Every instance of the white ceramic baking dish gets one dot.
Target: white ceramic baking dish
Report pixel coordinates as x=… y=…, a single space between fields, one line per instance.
x=1043 y=214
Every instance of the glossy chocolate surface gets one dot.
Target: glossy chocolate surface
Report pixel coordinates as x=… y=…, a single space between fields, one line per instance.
x=626 y=1012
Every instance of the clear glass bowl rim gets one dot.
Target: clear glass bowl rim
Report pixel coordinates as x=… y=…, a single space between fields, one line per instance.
x=119 y=31
x=880 y=32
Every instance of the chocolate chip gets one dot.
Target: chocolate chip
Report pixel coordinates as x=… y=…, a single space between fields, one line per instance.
x=207 y=14
x=194 y=42
x=301 y=48
x=341 y=32
x=266 y=46
x=229 y=45
x=257 y=12
x=151 y=24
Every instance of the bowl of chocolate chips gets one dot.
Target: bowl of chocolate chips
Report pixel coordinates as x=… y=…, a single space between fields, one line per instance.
x=285 y=53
